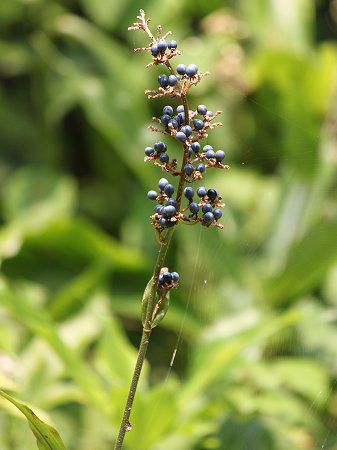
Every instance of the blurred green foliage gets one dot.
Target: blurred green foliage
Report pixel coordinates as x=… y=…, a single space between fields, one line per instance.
x=256 y=312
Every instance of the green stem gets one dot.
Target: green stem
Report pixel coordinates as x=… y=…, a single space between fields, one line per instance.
x=125 y=424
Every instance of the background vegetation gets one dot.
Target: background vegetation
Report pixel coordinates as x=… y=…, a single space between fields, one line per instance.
x=255 y=317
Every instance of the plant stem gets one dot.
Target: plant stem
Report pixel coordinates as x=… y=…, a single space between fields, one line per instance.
x=147 y=330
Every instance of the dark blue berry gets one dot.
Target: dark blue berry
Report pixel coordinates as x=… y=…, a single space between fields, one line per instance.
x=181 y=69
x=152 y=195
x=190 y=152
x=175 y=276
x=188 y=169
x=195 y=146
x=206 y=148
x=219 y=155
x=160 y=147
x=201 y=168
x=201 y=191
x=206 y=208
x=217 y=213
x=165 y=119
x=191 y=70
x=163 y=80
x=172 y=44
x=194 y=208
x=202 y=110
x=164 y=158
x=169 y=190
x=208 y=217
x=212 y=194
x=174 y=123
x=167 y=277
x=180 y=108
x=172 y=202
x=181 y=118
x=189 y=192
x=172 y=80
x=162 y=46
x=168 y=110
x=162 y=222
x=149 y=151
x=181 y=136
x=160 y=279
x=188 y=130
x=210 y=154
x=169 y=211
x=198 y=124
x=162 y=183
x=158 y=209
x=154 y=50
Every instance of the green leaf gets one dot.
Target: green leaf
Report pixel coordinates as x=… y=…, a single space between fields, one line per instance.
x=308 y=262
x=46 y=436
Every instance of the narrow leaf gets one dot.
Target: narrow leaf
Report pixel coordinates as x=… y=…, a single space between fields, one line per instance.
x=47 y=437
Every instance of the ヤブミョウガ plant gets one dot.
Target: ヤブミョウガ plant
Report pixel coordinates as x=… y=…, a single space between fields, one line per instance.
x=178 y=205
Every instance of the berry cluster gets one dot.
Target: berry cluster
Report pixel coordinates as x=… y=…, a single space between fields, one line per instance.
x=188 y=127
x=168 y=280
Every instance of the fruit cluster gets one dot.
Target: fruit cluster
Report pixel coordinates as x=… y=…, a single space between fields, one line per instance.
x=187 y=127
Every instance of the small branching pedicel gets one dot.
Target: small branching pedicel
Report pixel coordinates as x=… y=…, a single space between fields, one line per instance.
x=202 y=205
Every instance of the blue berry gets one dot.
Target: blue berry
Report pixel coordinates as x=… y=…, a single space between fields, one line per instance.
x=167 y=277
x=181 y=136
x=163 y=80
x=208 y=217
x=188 y=130
x=180 y=109
x=181 y=117
x=209 y=114
x=194 y=208
x=172 y=80
x=217 y=213
x=162 y=46
x=160 y=147
x=175 y=276
x=165 y=119
x=169 y=190
x=201 y=191
x=154 y=50
x=149 y=151
x=206 y=148
x=206 y=208
x=189 y=192
x=195 y=146
x=219 y=155
x=158 y=209
x=162 y=222
x=190 y=152
x=174 y=123
x=162 y=183
x=172 y=202
x=169 y=211
x=191 y=70
x=212 y=194
x=164 y=158
x=161 y=278
x=201 y=168
x=181 y=69
x=168 y=110
x=152 y=195
x=198 y=124
x=188 y=169
x=210 y=154
x=202 y=110
x=172 y=44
